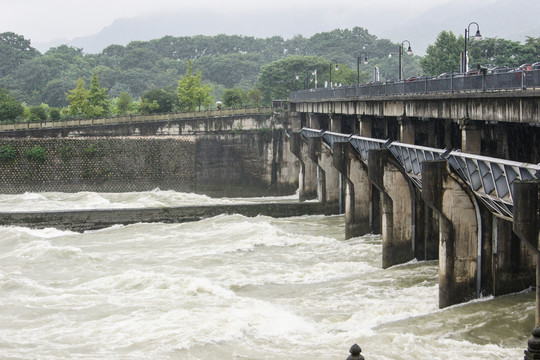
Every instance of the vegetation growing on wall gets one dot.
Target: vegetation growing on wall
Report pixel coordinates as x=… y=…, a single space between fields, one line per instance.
x=7 y=153
x=37 y=154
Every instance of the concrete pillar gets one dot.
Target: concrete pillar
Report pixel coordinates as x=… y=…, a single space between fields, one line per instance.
x=357 y=190
x=406 y=131
x=471 y=138
x=426 y=231
x=448 y=134
x=459 y=234
x=501 y=135
x=527 y=226
x=314 y=121
x=397 y=203
x=335 y=123
x=307 y=177
x=329 y=186
x=295 y=118
x=513 y=262
x=364 y=126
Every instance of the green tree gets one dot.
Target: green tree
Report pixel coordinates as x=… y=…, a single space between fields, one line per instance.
x=10 y=108
x=255 y=97
x=163 y=98
x=234 y=97
x=147 y=107
x=37 y=113
x=123 y=103
x=444 y=55
x=54 y=113
x=14 y=50
x=191 y=92
x=78 y=99
x=204 y=97
x=295 y=72
x=98 y=101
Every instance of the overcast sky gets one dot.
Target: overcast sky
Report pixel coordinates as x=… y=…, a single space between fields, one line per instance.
x=41 y=20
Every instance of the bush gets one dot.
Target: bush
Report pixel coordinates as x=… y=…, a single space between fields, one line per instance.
x=91 y=150
x=37 y=114
x=7 y=153
x=66 y=153
x=37 y=153
x=54 y=114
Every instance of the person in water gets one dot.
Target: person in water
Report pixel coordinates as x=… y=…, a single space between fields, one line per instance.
x=355 y=351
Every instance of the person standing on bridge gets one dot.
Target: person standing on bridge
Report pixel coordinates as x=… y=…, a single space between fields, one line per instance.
x=355 y=351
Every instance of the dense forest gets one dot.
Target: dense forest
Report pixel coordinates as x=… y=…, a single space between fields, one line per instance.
x=225 y=62
x=239 y=70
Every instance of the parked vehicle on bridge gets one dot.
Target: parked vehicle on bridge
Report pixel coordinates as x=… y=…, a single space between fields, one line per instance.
x=499 y=70
x=473 y=72
x=523 y=67
x=444 y=75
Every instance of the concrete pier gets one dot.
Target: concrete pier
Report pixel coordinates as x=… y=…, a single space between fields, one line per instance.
x=307 y=178
x=397 y=202
x=458 y=233
x=329 y=183
x=357 y=190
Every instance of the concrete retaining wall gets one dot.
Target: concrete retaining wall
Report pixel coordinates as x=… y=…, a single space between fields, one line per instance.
x=239 y=163
x=115 y=164
x=82 y=220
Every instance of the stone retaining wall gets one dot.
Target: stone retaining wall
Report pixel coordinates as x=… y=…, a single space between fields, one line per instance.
x=112 y=164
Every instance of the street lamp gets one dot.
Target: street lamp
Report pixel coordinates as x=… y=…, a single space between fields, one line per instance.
x=358 y=66
x=465 y=57
x=409 y=52
x=336 y=68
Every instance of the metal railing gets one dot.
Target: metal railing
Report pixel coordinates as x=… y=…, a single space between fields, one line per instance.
x=518 y=80
x=491 y=179
x=129 y=119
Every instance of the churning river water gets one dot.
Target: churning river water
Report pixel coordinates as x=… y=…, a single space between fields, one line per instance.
x=230 y=287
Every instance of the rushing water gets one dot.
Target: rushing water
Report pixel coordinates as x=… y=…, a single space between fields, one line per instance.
x=230 y=287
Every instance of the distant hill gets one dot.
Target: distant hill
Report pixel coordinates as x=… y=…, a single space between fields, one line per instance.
x=260 y=25
x=501 y=18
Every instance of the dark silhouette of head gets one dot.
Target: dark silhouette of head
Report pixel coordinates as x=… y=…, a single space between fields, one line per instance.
x=355 y=350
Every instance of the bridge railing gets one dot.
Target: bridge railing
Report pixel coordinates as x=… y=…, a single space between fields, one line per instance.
x=118 y=120
x=453 y=83
x=491 y=179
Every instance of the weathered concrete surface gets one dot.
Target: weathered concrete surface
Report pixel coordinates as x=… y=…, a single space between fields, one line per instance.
x=307 y=177
x=397 y=200
x=328 y=178
x=511 y=106
x=357 y=190
x=458 y=233
x=242 y=163
x=82 y=220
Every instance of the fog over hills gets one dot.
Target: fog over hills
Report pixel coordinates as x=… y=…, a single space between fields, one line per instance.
x=503 y=19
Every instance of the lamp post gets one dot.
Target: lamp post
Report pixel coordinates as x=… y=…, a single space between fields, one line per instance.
x=409 y=52
x=358 y=66
x=336 y=68
x=465 y=57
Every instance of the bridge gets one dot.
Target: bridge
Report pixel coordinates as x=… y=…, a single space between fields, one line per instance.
x=150 y=124
x=494 y=115
x=443 y=168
